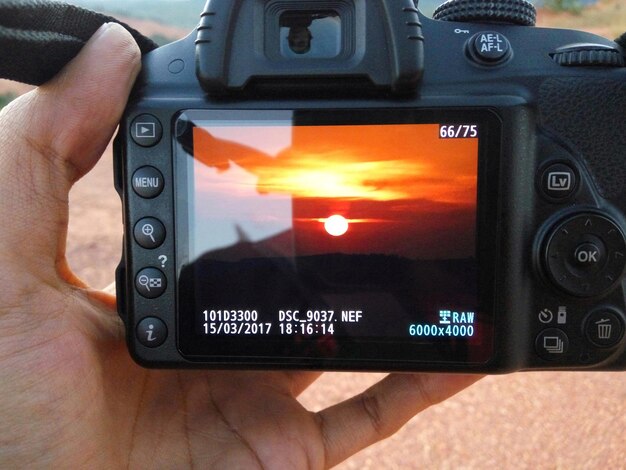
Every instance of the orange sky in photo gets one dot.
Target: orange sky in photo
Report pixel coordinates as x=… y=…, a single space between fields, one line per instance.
x=398 y=186
x=377 y=162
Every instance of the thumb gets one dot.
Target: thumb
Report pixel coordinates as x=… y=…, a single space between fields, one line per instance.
x=50 y=138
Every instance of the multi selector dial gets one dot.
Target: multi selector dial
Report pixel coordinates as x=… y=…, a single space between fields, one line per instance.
x=585 y=254
x=519 y=12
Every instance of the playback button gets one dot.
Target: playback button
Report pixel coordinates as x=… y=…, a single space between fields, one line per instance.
x=146 y=130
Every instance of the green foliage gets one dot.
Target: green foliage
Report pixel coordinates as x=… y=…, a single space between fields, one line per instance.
x=6 y=99
x=572 y=6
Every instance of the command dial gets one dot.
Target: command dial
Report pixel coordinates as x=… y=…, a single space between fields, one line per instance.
x=519 y=12
x=588 y=55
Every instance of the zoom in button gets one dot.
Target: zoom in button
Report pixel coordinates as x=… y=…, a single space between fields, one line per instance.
x=149 y=233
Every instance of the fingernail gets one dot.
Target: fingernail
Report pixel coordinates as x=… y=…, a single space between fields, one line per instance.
x=101 y=31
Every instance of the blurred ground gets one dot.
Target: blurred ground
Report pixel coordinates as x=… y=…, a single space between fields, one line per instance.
x=529 y=420
x=606 y=18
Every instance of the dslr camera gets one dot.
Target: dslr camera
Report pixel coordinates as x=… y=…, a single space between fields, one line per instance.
x=350 y=185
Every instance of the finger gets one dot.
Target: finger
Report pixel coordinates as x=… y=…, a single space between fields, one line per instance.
x=110 y=289
x=51 y=137
x=380 y=411
x=298 y=381
x=106 y=296
x=291 y=383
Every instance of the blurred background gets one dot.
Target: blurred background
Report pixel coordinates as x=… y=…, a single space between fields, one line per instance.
x=542 y=420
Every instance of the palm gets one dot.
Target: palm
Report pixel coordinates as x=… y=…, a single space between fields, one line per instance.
x=95 y=399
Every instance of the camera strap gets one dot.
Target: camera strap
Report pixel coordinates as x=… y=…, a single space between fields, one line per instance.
x=38 y=37
x=622 y=43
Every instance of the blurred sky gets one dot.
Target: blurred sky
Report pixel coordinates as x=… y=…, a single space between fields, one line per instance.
x=184 y=13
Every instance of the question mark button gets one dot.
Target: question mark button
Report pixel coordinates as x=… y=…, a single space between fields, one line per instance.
x=150 y=283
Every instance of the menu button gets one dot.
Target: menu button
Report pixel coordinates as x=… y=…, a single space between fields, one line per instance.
x=148 y=182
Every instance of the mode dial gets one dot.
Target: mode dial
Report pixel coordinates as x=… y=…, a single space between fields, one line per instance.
x=519 y=12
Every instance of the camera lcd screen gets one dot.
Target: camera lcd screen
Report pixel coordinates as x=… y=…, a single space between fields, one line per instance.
x=333 y=235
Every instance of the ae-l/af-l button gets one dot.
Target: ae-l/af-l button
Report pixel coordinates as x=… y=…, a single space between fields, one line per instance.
x=489 y=48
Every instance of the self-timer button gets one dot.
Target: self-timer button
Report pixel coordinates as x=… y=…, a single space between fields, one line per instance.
x=489 y=48
x=552 y=344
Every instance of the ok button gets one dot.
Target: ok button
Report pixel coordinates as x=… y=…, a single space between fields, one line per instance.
x=589 y=255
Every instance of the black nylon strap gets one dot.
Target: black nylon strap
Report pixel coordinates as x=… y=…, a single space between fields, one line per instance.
x=38 y=37
x=622 y=42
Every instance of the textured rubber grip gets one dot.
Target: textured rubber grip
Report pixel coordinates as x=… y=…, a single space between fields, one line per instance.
x=518 y=12
x=589 y=116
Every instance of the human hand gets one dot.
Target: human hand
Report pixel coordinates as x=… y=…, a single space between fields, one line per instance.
x=71 y=395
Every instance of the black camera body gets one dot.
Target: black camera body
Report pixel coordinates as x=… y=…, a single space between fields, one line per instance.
x=349 y=185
